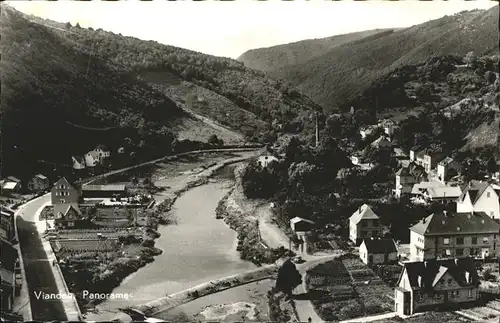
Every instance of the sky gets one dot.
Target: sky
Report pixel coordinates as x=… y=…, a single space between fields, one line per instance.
x=231 y=28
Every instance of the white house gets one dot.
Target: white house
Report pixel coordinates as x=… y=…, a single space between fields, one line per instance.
x=92 y=158
x=378 y=251
x=78 y=162
x=479 y=196
x=364 y=223
x=102 y=151
x=265 y=160
x=446 y=168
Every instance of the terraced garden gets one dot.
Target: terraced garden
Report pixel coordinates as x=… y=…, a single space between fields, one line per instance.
x=346 y=288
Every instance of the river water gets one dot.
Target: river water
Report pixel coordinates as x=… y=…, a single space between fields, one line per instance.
x=197 y=249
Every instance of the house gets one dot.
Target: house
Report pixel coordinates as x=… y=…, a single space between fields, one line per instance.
x=447 y=168
x=368 y=131
x=6 y=224
x=102 y=151
x=382 y=142
x=444 y=235
x=420 y=190
x=442 y=193
x=406 y=177
x=378 y=251
x=7 y=270
x=364 y=223
x=104 y=191
x=429 y=285
x=265 y=160
x=39 y=183
x=415 y=153
x=92 y=158
x=299 y=224
x=63 y=192
x=68 y=216
x=78 y=162
x=402 y=159
x=388 y=126
x=479 y=196
x=431 y=158
x=11 y=184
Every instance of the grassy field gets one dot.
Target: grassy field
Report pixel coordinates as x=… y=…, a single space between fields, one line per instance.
x=339 y=291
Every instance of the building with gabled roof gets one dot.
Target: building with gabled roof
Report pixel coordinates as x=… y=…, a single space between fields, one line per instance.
x=299 y=224
x=78 y=162
x=447 y=168
x=428 y=285
x=68 y=216
x=378 y=251
x=406 y=177
x=104 y=191
x=364 y=223
x=480 y=196
x=442 y=193
x=63 y=192
x=39 y=183
x=445 y=235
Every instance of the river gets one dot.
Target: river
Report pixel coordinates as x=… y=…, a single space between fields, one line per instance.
x=197 y=249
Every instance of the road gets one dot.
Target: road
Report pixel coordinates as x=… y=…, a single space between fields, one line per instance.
x=37 y=266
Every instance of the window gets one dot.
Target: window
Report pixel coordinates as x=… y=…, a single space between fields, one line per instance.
x=453 y=294
x=460 y=240
x=447 y=252
x=364 y=224
x=420 y=297
x=474 y=240
x=488 y=194
x=446 y=240
x=460 y=252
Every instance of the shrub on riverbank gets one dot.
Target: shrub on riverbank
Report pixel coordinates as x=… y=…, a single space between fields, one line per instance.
x=280 y=310
x=250 y=245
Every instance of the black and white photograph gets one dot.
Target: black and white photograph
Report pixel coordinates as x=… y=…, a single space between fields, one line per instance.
x=250 y=161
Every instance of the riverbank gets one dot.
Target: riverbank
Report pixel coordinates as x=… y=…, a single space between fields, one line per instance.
x=104 y=275
x=239 y=213
x=208 y=288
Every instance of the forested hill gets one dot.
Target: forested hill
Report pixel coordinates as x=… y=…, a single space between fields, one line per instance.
x=66 y=89
x=57 y=103
x=219 y=88
x=276 y=57
x=343 y=73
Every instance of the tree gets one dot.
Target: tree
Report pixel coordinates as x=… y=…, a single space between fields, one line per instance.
x=213 y=140
x=68 y=25
x=492 y=166
x=78 y=25
x=471 y=59
x=288 y=278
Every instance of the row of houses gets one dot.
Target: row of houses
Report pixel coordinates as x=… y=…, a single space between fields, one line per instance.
x=92 y=158
x=37 y=183
x=67 y=197
x=10 y=270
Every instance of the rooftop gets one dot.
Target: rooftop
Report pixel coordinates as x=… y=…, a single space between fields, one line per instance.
x=475 y=190
x=443 y=192
x=41 y=176
x=426 y=274
x=456 y=223
x=9 y=185
x=299 y=219
x=380 y=245
x=364 y=212
x=109 y=187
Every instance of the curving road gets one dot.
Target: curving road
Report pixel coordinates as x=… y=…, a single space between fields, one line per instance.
x=37 y=267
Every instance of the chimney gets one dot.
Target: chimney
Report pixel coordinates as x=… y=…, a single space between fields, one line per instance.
x=445 y=212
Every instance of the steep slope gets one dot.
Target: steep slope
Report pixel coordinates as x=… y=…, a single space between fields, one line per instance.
x=458 y=103
x=236 y=89
x=336 y=77
x=276 y=57
x=57 y=103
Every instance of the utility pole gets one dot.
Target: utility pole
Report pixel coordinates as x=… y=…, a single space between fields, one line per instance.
x=317 y=129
